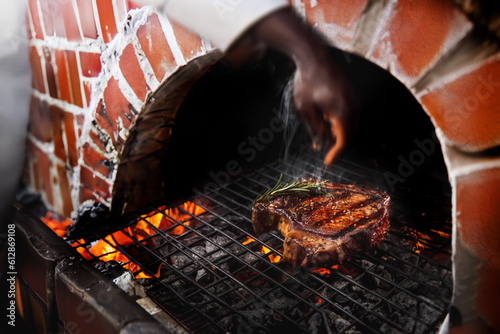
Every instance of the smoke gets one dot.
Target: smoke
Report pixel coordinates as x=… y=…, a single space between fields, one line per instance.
x=296 y=142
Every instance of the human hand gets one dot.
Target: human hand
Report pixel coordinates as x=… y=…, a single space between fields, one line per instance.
x=324 y=99
x=322 y=94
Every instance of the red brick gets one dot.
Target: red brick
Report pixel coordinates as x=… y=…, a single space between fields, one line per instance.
x=156 y=48
x=70 y=21
x=121 y=9
x=115 y=107
x=96 y=140
x=35 y=17
x=95 y=160
x=62 y=76
x=87 y=20
x=47 y=17
x=87 y=89
x=44 y=166
x=467 y=109
x=132 y=5
x=414 y=36
x=40 y=121
x=49 y=70
x=33 y=165
x=343 y=14
x=132 y=71
x=107 y=20
x=97 y=185
x=74 y=79
x=56 y=115
x=53 y=9
x=189 y=42
x=65 y=190
x=80 y=119
x=36 y=69
x=85 y=194
x=488 y=298
x=90 y=64
x=70 y=134
x=478 y=212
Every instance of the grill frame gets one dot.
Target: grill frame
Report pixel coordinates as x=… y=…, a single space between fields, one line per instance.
x=228 y=201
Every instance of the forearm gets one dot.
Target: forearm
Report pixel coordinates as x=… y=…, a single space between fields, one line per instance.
x=285 y=32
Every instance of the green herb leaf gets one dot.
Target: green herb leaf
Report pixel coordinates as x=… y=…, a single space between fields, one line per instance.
x=291 y=188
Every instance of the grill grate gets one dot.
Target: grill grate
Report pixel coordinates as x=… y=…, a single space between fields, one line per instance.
x=210 y=281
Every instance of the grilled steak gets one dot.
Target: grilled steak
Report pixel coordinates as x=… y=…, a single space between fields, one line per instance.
x=326 y=227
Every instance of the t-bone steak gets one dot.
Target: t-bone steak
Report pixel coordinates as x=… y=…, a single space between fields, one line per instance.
x=324 y=227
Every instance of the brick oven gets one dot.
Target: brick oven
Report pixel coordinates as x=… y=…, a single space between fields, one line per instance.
x=109 y=79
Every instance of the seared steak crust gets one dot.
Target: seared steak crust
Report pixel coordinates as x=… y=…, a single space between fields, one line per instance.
x=324 y=230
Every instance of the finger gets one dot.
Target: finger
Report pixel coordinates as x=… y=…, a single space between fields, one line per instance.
x=314 y=124
x=337 y=131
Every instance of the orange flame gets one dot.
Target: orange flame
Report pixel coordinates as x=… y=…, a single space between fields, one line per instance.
x=325 y=272
x=173 y=221
x=272 y=257
x=248 y=241
x=55 y=224
x=428 y=238
x=322 y=271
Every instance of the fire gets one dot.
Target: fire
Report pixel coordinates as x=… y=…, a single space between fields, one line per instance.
x=55 y=224
x=173 y=221
x=325 y=272
x=318 y=299
x=248 y=241
x=428 y=238
x=322 y=271
x=272 y=257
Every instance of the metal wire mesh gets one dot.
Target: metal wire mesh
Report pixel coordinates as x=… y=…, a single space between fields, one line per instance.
x=217 y=276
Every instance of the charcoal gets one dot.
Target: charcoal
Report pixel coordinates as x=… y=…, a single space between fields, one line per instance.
x=129 y=284
x=434 y=283
x=340 y=284
x=341 y=324
x=200 y=274
x=352 y=331
x=216 y=248
x=180 y=260
x=427 y=312
x=315 y=324
x=389 y=330
x=407 y=323
x=405 y=301
x=366 y=264
x=111 y=268
x=197 y=252
x=250 y=258
x=409 y=285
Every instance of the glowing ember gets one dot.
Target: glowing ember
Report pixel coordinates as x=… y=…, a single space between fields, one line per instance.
x=172 y=221
x=317 y=299
x=55 y=224
x=274 y=258
x=248 y=241
x=427 y=239
x=324 y=271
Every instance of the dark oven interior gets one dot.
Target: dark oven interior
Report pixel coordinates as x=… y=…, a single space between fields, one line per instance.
x=203 y=265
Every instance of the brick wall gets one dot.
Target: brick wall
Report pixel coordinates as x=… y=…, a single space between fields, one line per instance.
x=96 y=62
x=94 y=65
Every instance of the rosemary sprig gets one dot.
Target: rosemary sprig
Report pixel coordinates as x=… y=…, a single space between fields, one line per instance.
x=294 y=187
